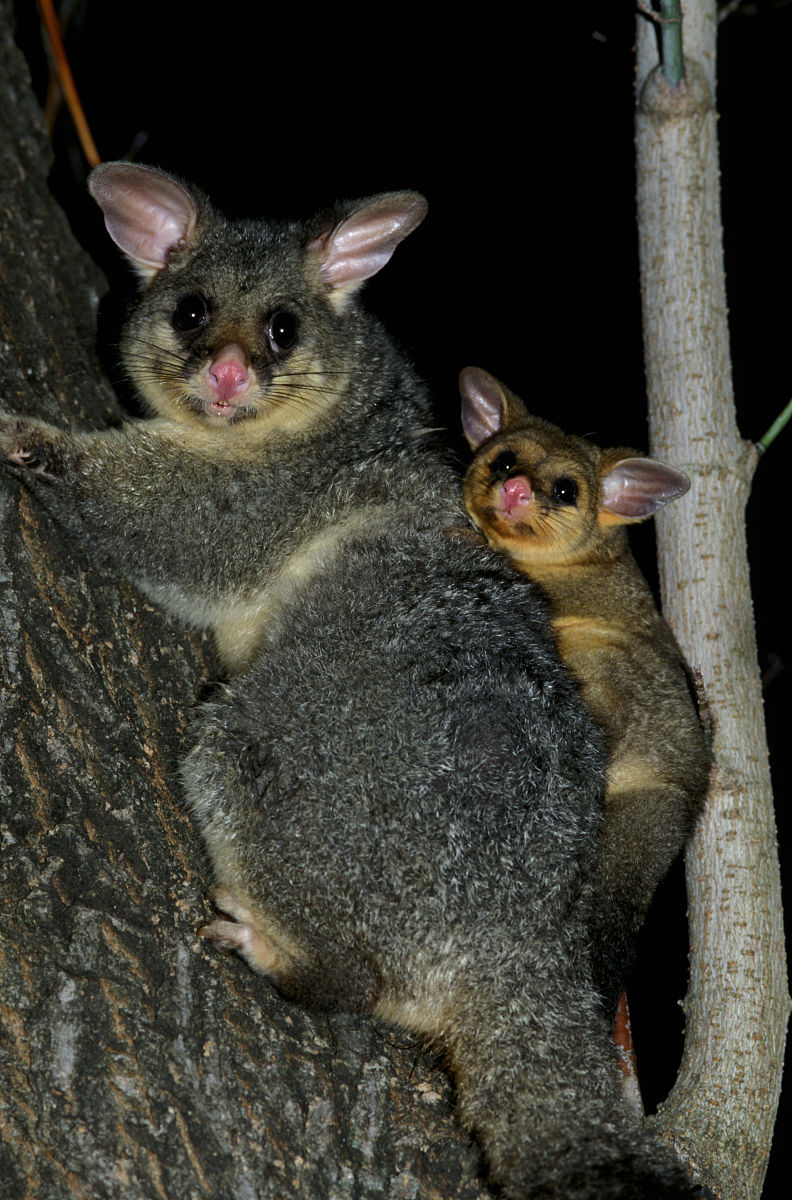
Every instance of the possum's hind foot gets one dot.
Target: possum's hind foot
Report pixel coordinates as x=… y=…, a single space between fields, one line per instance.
x=244 y=935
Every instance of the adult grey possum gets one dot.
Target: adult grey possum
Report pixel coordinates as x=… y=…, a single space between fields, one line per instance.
x=398 y=787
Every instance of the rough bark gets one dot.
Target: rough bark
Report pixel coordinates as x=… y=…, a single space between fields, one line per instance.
x=135 y=1062
x=721 y=1112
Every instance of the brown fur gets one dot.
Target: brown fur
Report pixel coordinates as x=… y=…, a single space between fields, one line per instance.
x=608 y=631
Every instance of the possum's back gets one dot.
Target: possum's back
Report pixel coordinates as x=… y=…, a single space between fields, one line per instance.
x=405 y=791
x=408 y=721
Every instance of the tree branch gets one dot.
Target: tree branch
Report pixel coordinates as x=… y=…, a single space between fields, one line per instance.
x=721 y=1112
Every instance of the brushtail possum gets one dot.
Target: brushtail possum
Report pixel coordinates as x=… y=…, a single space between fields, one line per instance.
x=398 y=787
x=558 y=507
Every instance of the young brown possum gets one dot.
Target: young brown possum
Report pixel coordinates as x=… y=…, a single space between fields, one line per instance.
x=557 y=506
x=398 y=787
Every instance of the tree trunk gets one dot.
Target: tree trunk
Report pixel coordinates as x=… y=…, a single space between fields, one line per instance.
x=721 y=1112
x=137 y=1063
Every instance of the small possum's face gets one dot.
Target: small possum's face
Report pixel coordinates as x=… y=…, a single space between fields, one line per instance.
x=224 y=344
x=536 y=504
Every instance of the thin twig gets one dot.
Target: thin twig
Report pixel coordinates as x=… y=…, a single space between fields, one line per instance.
x=671 y=40
x=66 y=81
x=649 y=13
x=669 y=22
x=728 y=9
x=774 y=429
x=659 y=18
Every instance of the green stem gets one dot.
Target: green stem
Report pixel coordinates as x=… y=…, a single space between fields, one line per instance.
x=671 y=41
x=775 y=428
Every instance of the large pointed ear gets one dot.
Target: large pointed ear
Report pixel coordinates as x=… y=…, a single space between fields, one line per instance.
x=487 y=406
x=364 y=241
x=146 y=213
x=635 y=488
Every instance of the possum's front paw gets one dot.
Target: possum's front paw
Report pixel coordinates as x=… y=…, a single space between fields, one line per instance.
x=29 y=462
x=22 y=451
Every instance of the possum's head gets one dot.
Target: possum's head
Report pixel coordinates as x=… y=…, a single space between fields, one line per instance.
x=545 y=497
x=243 y=323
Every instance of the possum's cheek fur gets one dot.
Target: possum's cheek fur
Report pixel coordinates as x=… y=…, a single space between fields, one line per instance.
x=233 y=388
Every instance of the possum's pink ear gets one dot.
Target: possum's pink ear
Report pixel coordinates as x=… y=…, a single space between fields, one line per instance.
x=487 y=406
x=146 y=213
x=364 y=241
x=636 y=488
x=483 y=405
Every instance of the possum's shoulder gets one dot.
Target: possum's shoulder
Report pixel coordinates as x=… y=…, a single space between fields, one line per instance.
x=407 y=579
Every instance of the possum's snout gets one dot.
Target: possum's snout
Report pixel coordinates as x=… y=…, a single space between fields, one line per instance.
x=516 y=493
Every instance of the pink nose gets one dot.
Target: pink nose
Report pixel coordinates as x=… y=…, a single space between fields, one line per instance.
x=516 y=492
x=227 y=373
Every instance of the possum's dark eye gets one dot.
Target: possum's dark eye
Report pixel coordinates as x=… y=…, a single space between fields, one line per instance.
x=282 y=329
x=565 y=490
x=502 y=464
x=192 y=312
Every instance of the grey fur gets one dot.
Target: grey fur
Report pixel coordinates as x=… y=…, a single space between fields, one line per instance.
x=399 y=789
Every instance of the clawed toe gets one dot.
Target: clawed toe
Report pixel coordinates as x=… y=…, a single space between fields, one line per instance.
x=225 y=936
